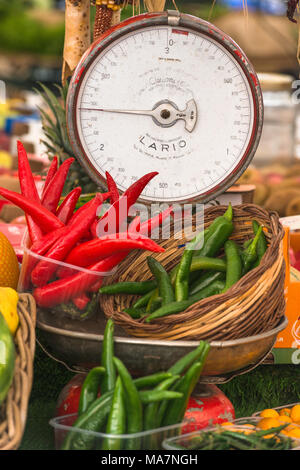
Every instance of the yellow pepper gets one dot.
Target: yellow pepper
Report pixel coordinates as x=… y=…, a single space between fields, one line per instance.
x=8 y=307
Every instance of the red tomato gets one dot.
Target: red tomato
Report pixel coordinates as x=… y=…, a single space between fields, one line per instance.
x=207 y=407
x=68 y=399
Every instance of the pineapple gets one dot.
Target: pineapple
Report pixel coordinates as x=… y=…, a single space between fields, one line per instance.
x=56 y=138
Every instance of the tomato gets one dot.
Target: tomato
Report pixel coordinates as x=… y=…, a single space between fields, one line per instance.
x=68 y=399
x=207 y=406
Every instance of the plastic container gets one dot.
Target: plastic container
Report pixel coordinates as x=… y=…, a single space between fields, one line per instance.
x=278 y=408
x=78 y=283
x=149 y=440
x=188 y=441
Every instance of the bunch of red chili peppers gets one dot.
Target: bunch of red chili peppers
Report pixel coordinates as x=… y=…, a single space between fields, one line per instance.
x=63 y=238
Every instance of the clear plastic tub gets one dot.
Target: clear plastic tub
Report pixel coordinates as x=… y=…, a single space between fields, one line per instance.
x=188 y=441
x=69 y=288
x=147 y=440
x=278 y=408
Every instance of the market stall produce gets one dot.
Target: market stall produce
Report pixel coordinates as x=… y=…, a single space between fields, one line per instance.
x=160 y=111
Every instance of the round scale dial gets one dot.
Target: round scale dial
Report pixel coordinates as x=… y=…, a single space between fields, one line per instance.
x=168 y=93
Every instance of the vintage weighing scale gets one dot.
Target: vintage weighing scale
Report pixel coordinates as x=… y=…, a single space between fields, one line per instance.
x=164 y=92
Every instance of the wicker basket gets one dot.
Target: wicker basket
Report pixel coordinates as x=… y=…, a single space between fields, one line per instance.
x=13 y=412
x=253 y=305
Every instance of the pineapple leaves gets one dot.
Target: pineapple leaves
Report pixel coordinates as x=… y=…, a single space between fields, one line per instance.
x=58 y=110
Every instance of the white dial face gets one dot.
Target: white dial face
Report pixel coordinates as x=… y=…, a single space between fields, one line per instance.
x=168 y=100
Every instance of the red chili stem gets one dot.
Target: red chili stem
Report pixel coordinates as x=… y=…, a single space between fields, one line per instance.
x=63 y=290
x=112 y=188
x=67 y=207
x=54 y=190
x=51 y=173
x=41 y=216
x=45 y=269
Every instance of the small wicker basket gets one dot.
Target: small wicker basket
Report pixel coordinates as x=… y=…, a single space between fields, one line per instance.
x=13 y=411
x=253 y=305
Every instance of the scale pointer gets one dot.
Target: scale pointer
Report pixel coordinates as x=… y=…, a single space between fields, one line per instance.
x=165 y=113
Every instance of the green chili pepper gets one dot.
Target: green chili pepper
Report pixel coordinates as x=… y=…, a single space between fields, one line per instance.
x=93 y=419
x=249 y=255
x=90 y=388
x=247 y=243
x=156 y=303
x=262 y=244
x=176 y=307
x=176 y=409
x=183 y=270
x=187 y=360
x=154 y=296
x=178 y=368
x=152 y=396
x=150 y=412
x=220 y=230
x=143 y=301
x=164 y=284
x=208 y=263
x=134 y=312
x=116 y=423
x=205 y=280
x=151 y=380
x=229 y=213
x=135 y=288
x=109 y=379
x=234 y=264
x=133 y=405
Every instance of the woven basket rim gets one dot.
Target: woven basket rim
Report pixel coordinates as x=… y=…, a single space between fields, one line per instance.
x=272 y=264
x=15 y=406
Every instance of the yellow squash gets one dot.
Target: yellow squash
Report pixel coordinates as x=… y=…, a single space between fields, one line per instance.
x=8 y=307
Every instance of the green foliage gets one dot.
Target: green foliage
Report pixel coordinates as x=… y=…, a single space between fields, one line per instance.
x=23 y=34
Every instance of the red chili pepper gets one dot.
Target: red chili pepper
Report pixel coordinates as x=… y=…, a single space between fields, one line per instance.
x=51 y=172
x=45 y=269
x=112 y=188
x=81 y=301
x=77 y=215
x=28 y=189
x=54 y=190
x=42 y=217
x=63 y=290
x=92 y=251
x=67 y=207
x=116 y=215
x=146 y=228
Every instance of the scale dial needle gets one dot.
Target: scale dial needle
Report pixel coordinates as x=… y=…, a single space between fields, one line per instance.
x=165 y=113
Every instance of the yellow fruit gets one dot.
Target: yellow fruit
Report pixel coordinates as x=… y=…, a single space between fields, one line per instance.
x=9 y=266
x=269 y=413
x=227 y=423
x=8 y=307
x=268 y=423
x=285 y=412
x=295 y=413
x=294 y=432
x=285 y=419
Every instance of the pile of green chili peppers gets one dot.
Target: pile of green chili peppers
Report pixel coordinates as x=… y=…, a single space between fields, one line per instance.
x=211 y=270
x=129 y=406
